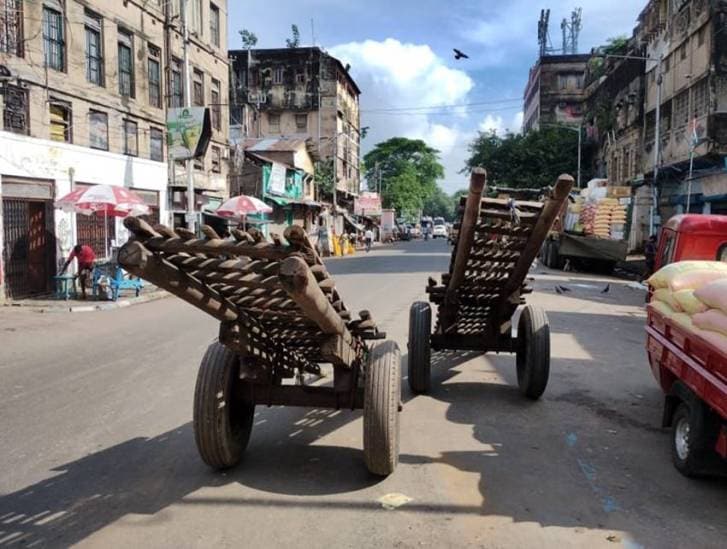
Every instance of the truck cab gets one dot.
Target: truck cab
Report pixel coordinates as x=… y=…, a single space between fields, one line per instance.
x=692 y=237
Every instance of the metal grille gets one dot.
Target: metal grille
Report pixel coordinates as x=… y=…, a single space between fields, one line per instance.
x=29 y=254
x=11 y=27
x=90 y=230
x=15 y=111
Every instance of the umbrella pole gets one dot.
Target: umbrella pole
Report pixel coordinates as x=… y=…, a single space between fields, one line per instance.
x=106 y=232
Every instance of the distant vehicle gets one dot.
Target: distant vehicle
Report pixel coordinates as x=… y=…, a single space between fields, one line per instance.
x=416 y=231
x=404 y=232
x=439 y=231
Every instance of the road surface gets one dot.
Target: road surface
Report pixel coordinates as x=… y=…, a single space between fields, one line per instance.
x=96 y=445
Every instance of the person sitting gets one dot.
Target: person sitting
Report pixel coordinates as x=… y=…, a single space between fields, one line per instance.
x=85 y=256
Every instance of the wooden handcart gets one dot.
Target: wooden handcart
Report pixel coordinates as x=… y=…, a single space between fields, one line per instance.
x=496 y=243
x=281 y=317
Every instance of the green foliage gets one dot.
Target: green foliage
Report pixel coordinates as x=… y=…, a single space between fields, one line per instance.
x=324 y=177
x=249 y=39
x=439 y=204
x=409 y=172
x=532 y=160
x=616 y=45
x=293 y=42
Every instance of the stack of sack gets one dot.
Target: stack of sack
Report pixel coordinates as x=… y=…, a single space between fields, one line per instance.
x=618 y=221
x=602 y=222
x=588 y=217
x=693 y=294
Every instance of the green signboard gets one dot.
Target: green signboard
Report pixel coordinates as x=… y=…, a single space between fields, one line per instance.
x=188 y=132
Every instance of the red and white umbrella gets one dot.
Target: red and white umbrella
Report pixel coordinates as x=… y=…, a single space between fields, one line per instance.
x=107 y=199
x=239 y=207
x=110 y=200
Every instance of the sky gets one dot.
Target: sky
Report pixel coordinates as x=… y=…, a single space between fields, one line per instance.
x=401 y=57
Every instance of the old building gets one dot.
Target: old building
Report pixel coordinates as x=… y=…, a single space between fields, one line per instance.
x=85 y=89
x=686 y=44
x=555 y=94
x=302 y=93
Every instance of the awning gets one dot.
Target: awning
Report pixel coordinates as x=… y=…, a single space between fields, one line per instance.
x=351 y=221
x=277 y=200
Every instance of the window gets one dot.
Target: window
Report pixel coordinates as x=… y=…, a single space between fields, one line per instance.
x=216 y=155
x=199 y=164
x=681 y=109
x=126 y=64
x=98 y=130
x=700 y=98
x=155 y=77
x=60 y=121
x=94 y=49
x=195 y=16
x=301 y=122
x=215 y=25
x=683 y=51
x=300 y=77
x=650 y=132
x=131 y=138
x=156 y=144
x=701 y=36
x=667 y=64
x=215 y=107
x=11 y=27
x=176 y=98
x=15 y=110
x=198 y=88
x=54 y=44
x=274 y=122
x=278 y=74
x=652 y=76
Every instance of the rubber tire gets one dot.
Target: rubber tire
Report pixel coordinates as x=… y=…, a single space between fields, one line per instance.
x=420 y=353
x=703 y=431
x=533 y=352
x=222 y=424
x=382 y=397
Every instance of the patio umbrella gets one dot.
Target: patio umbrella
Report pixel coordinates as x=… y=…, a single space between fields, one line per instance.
x=239 y=207
x=111 y=200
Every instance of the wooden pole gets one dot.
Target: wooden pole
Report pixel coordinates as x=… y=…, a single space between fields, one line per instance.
x=139 y=261
x=466 y=236
x=302 y=287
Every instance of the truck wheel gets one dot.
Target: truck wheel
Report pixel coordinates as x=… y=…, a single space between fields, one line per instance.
x=222 y=421
x=382 y=396
x=694 y=434
x=533 y=352
x=420 y=327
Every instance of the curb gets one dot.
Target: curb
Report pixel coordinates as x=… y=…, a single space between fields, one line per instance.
x=104 y=306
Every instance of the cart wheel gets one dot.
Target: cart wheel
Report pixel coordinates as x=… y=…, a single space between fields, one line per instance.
x=533 y=352
x=222 y=421
x=420 y=328
x=694 y=435
x=381 y=408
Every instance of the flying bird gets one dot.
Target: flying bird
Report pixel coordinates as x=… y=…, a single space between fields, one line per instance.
x=459 y=55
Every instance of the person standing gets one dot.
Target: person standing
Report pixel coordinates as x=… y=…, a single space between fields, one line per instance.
x=369 y=237
x=85 y=256
x=650 y=254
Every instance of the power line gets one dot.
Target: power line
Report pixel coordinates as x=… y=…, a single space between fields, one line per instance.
x=455 y=106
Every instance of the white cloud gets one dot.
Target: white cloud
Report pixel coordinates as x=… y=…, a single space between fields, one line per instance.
x=396 y=75
x=497 y=124
x=517 y=122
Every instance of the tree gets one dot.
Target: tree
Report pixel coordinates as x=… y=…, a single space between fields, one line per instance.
x=293 y=42
x=532 y=160
x=407 y=166
x=249 y=39
x=439 y=204
x=324 y=177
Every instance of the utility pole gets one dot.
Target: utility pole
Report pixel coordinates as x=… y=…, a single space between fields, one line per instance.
x=580 y=153
x=188 y=103
x=657 y=146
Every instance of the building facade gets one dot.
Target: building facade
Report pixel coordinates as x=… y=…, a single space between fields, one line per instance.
x=301 y=93
x=687 y=47
x=84 y=91
x=555 y=92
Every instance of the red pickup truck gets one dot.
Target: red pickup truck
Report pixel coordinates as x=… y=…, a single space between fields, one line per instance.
x=691 y=371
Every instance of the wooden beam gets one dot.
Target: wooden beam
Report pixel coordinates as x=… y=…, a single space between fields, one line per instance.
x=141 y=262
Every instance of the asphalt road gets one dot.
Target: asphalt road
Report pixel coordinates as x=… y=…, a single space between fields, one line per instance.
x=96 y=445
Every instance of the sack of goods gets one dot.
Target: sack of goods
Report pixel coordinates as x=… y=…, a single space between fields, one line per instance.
x=693 y=294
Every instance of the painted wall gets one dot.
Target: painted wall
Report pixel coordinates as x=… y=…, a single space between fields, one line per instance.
x=22 y=156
